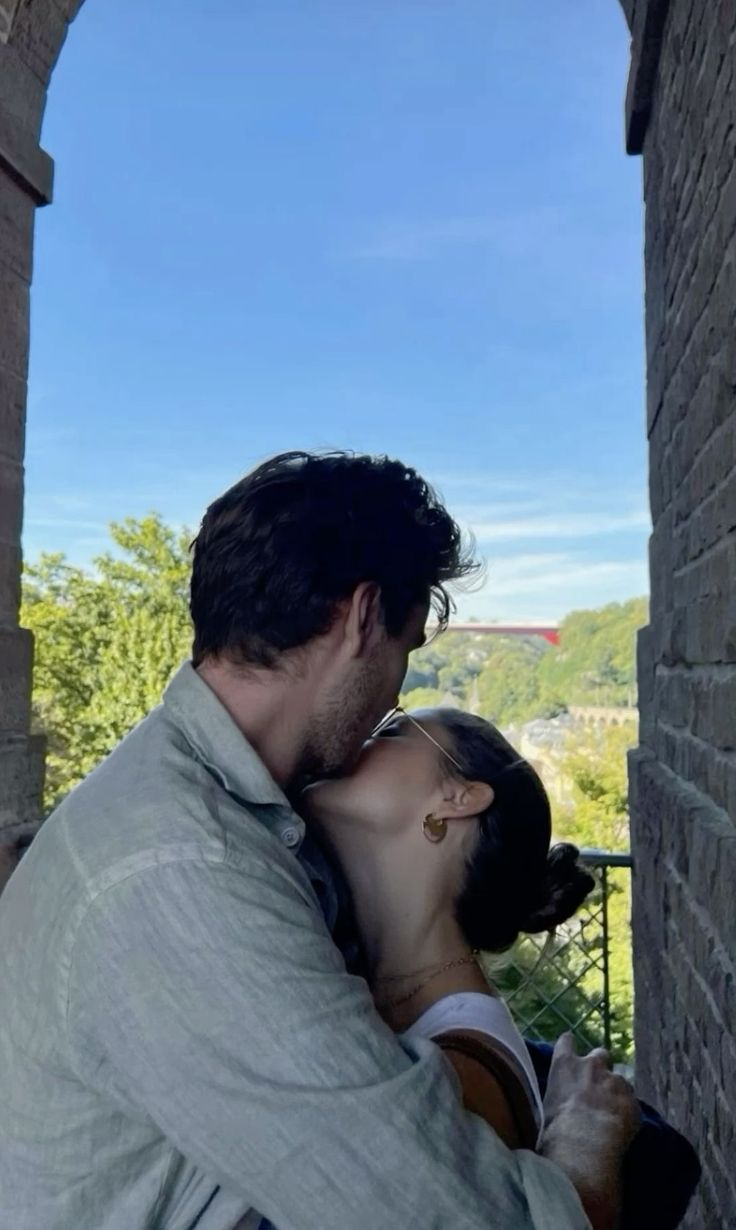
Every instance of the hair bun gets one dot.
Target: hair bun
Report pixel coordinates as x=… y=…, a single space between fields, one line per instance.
x=564 y=887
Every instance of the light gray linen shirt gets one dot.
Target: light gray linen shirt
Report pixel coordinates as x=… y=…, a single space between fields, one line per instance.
x=180 y=1042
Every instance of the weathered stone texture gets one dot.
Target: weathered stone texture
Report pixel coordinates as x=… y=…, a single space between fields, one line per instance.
x=38 y=32
x=14 y=323
x=10 y=565
x=11 y=501
x=683 y=778
x=31 y=35
x=16 y=230
x=24 y=162
x=16 y=665
x=12 y=416
x=12 y=431
x=629 y=7
x=22 y=776
x=7 y=14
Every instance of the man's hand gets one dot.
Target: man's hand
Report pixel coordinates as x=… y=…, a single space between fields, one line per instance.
x=591 y=1116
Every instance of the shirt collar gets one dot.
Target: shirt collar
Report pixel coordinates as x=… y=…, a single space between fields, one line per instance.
x=218 y=742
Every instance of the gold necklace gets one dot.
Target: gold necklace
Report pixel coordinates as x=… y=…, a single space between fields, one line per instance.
x=423 y=969
x=403 y=999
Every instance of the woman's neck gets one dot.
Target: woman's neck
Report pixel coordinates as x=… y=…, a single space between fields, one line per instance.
x=402 y=908
x=406 y=923
x=401 y=1004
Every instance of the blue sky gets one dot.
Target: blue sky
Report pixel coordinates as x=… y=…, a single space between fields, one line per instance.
x=405 y=226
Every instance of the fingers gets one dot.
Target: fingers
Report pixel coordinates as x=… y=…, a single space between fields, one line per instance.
x=565 y=1045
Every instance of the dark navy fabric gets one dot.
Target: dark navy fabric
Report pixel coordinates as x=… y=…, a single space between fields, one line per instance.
x=661 y=1169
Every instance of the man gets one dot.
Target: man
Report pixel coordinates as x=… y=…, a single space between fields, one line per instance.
x=179 y=1039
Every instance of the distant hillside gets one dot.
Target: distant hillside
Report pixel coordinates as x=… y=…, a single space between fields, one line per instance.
x=513 y=679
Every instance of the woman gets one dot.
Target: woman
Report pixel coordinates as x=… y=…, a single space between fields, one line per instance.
x=443 y=835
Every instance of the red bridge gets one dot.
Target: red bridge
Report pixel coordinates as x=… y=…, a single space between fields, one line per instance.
x=550 y=632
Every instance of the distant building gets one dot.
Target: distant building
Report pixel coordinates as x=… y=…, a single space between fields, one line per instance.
x=543 y=742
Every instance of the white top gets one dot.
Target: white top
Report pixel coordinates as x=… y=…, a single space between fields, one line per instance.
x=488 y=1015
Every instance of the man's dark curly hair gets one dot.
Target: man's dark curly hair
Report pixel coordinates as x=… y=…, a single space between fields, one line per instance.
x=278 y=551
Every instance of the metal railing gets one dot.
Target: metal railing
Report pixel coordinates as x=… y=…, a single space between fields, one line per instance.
x=564 y=981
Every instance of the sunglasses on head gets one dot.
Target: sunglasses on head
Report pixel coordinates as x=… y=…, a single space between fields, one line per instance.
x=399 y=712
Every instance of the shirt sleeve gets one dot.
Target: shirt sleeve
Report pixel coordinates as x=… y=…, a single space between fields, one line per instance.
x=210 y=997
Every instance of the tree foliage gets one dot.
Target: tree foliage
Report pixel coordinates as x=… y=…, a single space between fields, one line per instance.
x=561 y=990
x=595 y=661
x=511 y=680
x=598 y=816
x=107 y=642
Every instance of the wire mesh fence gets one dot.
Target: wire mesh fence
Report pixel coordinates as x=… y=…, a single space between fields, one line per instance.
x=578 y=978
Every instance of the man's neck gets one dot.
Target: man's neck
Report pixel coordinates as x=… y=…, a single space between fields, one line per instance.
x=268 y=706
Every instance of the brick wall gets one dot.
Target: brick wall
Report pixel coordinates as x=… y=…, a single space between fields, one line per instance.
x=682 y=109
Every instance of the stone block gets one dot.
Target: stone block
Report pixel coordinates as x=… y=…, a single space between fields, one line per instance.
x=22 y=158
x=16 y=672
x=661 y=550
x=629 y=7
x=69 y=8
x=16 y=227
x=660 y=470
x=14 y=323
x=10 y=568
x=21 y=784
x=646 y=37
x=38 y=34
x=7 y=13
x=12 y=415
x=645 y=675
x=11 y=501
x=22 y=95
x=713 y=707
x=703 y=592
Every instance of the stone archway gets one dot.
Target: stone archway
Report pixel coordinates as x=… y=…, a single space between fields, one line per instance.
x=31 y=36
x=32 y=33
x=681 y=113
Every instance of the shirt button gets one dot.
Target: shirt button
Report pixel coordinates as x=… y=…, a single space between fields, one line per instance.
x=291 y=837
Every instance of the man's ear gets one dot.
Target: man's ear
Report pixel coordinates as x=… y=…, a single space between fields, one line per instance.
x=363 y=618
x=466 y=799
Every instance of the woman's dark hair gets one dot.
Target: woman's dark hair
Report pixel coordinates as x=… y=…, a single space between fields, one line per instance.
x=514 y=882
x=278 y=551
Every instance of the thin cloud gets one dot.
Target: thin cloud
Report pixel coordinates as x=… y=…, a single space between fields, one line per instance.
x=420 y=240
x=541 y=586
x=66 y=523
x=581 y=524
x=529 y=574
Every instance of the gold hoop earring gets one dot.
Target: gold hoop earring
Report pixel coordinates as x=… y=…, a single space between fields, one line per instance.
x=434 y=828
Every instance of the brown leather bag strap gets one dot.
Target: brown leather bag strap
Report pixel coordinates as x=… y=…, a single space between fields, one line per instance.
x=511 y=1084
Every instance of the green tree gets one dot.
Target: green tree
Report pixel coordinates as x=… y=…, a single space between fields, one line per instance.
x=508 y=688
x=422 y=698
x=511 y=680
x=107 y=642
x=595 y=661
x=561 y=990
x=599 y=816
